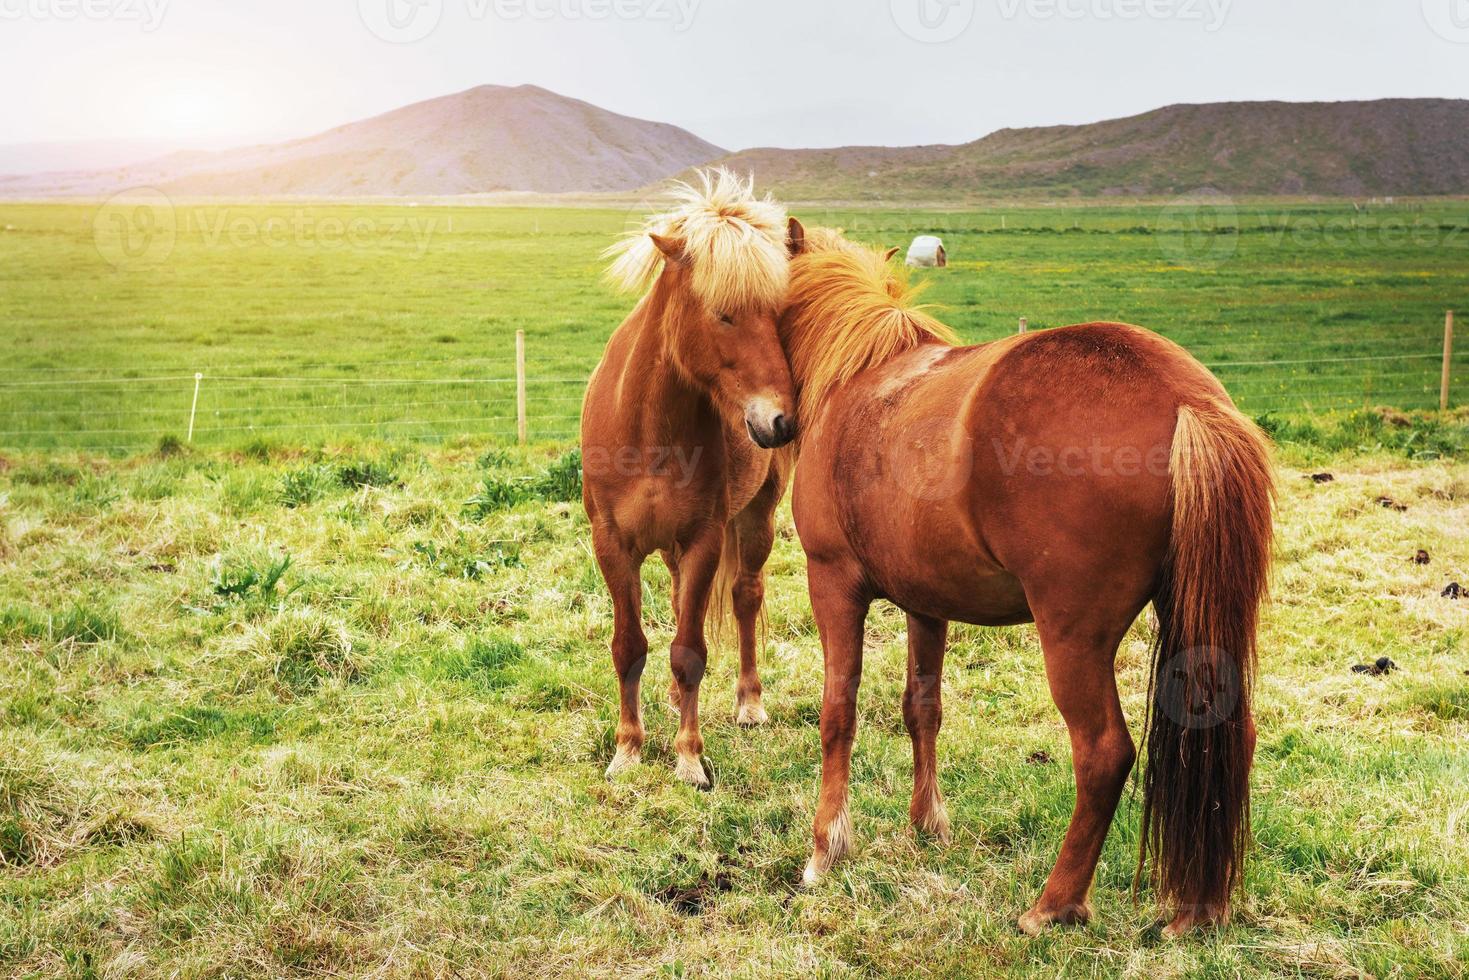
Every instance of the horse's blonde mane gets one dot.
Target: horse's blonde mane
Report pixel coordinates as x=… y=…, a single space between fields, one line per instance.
x=849 y=310
x=821 y=239
x=734 y=242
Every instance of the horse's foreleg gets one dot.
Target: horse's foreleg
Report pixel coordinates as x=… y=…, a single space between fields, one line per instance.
x=698 y=560
x=755 y=532
x=1080 y=664
x=840 y=609
x=923 y=713
x=620 y=569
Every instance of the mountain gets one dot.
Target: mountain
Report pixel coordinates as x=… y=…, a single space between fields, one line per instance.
x=1403 y=147
x=38 y=158
x=490 y=138
x=494 y=138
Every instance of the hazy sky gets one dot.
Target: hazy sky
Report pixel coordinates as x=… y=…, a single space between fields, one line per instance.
x=737 y=72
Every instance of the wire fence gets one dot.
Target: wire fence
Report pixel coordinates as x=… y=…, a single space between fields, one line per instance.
x=514 y=397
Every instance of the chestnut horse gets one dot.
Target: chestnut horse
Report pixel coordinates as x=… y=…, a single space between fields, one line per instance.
x=691 y=394
x=1066 y=477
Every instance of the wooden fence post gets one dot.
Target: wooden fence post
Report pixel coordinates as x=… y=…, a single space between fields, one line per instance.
x=521 y=429
x=1024 y=324
x=194 y=409
x=1448 y=355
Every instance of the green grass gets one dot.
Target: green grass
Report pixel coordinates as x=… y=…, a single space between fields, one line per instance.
x=244 y=735
x=403 y=328
x=328 y=691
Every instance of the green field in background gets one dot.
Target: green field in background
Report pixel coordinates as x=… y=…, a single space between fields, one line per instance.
x=321 y=322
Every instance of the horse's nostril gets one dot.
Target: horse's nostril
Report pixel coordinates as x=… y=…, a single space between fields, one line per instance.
x=783 y=427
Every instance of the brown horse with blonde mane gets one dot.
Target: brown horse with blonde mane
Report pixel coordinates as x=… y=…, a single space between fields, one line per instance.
x=1066 y=477
x=680 y=416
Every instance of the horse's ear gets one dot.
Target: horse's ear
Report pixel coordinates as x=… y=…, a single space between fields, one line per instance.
x=672 y=248
x=795 y=237
x=888 y=255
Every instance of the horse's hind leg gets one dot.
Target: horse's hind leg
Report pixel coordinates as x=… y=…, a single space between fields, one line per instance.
x=755 y=535
x=620 y=569
x=923 y=714
x=1080 y=657
x=698 y=560
x=840 y=610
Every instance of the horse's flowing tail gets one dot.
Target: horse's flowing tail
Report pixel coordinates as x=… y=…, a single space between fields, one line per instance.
x=721 y=594
x=1200 y=736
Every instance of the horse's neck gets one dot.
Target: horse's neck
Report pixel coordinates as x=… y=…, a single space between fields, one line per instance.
x=654 y=383
x=817 y=380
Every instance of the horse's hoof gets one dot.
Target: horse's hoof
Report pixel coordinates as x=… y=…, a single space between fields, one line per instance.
x=690 y=769
x=1038 y=920
x=751 y=715
x=624 y=760
x=935 y=825
x=932 y=819
x=831 y=848
x=1185 y=922
x=1032 y=923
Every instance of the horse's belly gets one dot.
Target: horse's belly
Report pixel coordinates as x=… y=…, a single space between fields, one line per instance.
x=906 y=510
x=924 y=557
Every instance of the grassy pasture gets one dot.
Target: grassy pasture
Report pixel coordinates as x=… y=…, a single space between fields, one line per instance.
x=315 y=321
x=328 y=694
x=318 y=713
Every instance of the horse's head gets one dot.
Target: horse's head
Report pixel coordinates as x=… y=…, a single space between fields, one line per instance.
x=720 y=262
x=725 y=342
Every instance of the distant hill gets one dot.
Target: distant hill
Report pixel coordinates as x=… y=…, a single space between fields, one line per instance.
x=487 y=139
x=1401 y=147
x=37 y=158
x=493 y=139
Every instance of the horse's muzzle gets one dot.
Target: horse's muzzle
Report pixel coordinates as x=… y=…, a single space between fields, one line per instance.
x=770 y=431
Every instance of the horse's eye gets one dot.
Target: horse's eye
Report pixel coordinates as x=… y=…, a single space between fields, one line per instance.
x=726 y=319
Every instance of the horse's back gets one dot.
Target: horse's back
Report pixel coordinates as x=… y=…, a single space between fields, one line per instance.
x=962 y=474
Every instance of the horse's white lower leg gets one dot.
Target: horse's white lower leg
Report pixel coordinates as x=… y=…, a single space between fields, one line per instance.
x=838 y=841
x=626 y=758
x=932 y=816
x=751 y=713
